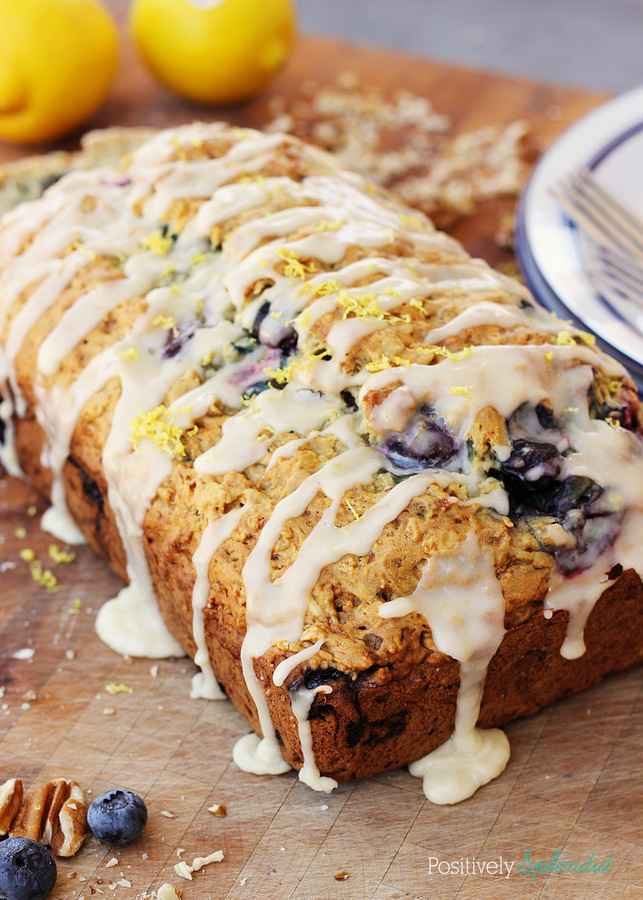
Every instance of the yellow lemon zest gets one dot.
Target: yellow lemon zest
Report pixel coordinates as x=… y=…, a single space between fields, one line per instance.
x=454 y=357
x=352 y=508
x=328 y=225
x=385 y=362
x=282 y=376
x=43 y=577
x=411 y=221
x=158 y=425
x=166 y=322
x=565 y=339
x=588 y=338
x=157 y=242
x=59 y=555
x=462 y=390
x=295 y=268
x=121 y=688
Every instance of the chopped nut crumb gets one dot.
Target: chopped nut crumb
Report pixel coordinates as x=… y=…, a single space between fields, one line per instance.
x=167 y=814
x=168 y=892
x=218 y=810
x=112 y=862
x=404 y=144
x=341 y=876
x=183 y=870
x=199 y=861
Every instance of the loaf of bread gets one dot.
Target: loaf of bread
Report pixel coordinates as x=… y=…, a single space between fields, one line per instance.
x=383 y=500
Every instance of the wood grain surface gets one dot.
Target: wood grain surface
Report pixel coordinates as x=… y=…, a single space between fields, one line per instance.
x=573 y=787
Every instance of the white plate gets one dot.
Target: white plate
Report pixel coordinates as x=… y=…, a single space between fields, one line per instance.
x=610 y=141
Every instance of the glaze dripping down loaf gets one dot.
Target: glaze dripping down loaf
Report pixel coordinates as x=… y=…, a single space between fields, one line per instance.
x=380 y=497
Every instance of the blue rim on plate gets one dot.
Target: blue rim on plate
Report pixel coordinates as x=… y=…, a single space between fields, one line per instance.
x=609 y=140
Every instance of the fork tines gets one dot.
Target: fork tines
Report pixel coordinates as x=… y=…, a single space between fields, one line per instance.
x=615 y=234
x=597 y=212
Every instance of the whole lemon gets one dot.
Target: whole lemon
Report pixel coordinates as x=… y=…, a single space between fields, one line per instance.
x=57 y=65
x=213 y=51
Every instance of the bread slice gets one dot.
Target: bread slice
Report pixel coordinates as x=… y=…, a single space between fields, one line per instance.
x=383 y=500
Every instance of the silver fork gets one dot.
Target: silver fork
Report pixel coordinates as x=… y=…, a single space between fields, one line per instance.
x=613 y=235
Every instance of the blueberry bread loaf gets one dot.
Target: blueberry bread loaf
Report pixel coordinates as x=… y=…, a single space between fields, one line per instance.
x=383 y=500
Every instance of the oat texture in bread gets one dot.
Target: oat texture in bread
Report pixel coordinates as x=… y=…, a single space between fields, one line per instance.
x=383 y=500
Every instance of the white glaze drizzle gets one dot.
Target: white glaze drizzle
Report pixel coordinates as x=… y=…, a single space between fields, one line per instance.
x=204 y=683
x=460 y=597
x=301 y=700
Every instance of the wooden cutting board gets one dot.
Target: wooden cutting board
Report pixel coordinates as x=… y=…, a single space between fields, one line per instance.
x=573 y=787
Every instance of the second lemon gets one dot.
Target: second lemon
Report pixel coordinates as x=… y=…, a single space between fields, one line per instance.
x=213 y=51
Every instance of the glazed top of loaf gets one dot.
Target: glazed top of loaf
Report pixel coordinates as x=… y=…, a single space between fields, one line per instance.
x=349 y=416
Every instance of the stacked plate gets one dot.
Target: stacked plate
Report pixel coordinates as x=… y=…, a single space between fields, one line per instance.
x=609 y=140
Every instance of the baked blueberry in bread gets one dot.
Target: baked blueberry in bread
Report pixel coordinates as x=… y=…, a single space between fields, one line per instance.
x=383 y=500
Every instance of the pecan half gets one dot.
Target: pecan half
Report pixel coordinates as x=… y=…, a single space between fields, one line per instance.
x=10 y=800
x=70 y=825
x=53 y=813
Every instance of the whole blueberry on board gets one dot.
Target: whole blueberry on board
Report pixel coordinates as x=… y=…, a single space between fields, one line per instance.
x=27 y=870
x=117 y=816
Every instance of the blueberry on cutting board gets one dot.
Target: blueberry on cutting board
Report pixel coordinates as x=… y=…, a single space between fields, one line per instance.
x=117 y=817
x=27 y=870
